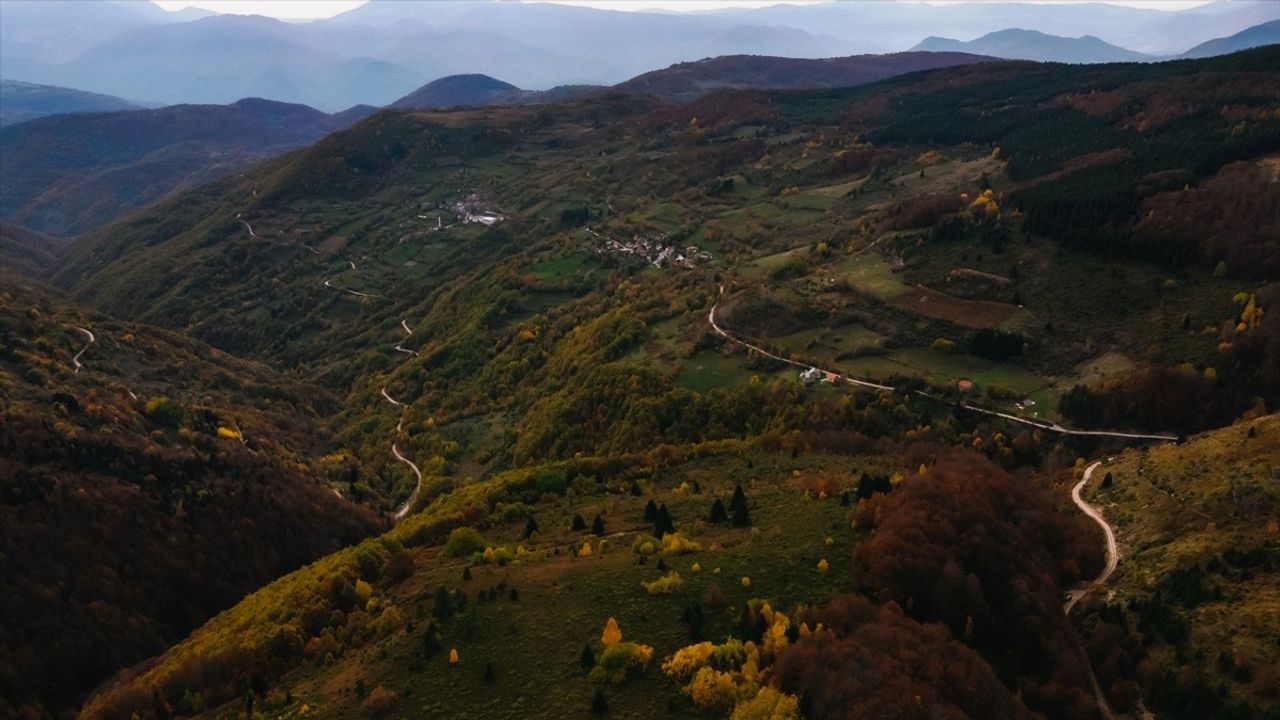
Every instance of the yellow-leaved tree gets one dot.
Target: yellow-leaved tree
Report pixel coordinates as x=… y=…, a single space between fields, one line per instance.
x=612 y=633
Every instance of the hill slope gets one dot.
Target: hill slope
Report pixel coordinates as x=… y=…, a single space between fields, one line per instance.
x=1264 y=34
x=148 y=483
x=26 y=251
x=1015 y=44
x=69 y=173
x=21 y=101
x=1198 y=583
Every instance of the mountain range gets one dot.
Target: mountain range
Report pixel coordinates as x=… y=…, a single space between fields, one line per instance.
x=1035 y=45
x=384 y=49
x=65 y=174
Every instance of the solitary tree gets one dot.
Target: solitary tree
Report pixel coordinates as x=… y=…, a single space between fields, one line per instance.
x=718 y=513
x=579 y=524
x=662 y=523
x=530 y=527
x=597 y=526
x=741 y=517
x=650 y=511
x=444 y=603
x=739 y=498
x=587 y=659
x=612 y=633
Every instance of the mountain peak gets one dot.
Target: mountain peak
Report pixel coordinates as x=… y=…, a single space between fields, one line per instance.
x=459 y=91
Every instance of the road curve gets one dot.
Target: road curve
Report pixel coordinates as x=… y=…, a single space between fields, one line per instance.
x=1113 y=552
x=247 y=226
x=1050 y=426
x=413 y=496
x=90 y=340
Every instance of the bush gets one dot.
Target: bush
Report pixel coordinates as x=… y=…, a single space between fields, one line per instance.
x=618 y=660
x=678 y=544
x=664 y=585
x=464 y=541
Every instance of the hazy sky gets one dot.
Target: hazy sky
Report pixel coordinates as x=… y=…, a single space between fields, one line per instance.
x=307 y=9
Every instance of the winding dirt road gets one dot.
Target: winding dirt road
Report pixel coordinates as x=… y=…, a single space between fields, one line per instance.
x=405 y=507
x=1043 y=425
x=1113 y=551
x=90 y=340
x=247 y=226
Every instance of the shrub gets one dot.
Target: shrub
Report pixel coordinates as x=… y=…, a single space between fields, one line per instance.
x=618 y=660
x=464 y=541
x=678 y=544
x=664 y=585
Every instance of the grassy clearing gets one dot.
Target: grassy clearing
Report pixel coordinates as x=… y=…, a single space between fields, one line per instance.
x=534 y=641
x=710 y=369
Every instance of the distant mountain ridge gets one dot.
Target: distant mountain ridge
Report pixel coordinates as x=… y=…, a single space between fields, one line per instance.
x=20 y=101
x=1264 y=34
x=1018 y=44
x=68 y=173
x=382 y=50
x=687 y=81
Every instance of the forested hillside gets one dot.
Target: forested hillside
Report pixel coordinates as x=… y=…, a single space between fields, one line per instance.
x=757 y=406
x=148 y=483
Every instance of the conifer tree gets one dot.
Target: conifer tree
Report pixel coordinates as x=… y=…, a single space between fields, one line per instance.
x=650 y=511
x=530 y=527
x=597 y=526
x=718 y=513
x=579 y=524
x=444 y=603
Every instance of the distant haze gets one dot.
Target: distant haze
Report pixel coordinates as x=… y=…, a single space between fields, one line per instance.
x=380 y=50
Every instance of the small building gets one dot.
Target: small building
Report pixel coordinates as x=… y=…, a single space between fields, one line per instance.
x=811 y=376
x=965 y=385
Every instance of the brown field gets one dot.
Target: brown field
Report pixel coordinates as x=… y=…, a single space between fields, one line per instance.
x=940 y=306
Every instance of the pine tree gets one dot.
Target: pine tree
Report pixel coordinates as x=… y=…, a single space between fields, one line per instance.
x=650 y=512
x=741 y=517
x=662 y=523
x=579 y=524
x=444 y=603
x=739 y=499
x=661 y=565
x=587 y=659
x=597 y=526
x=530 y=527
x=466 y=573
x=489 y=674
x=431 y=639
x=718 y=513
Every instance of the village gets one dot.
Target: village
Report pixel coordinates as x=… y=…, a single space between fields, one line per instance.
x=655 y=251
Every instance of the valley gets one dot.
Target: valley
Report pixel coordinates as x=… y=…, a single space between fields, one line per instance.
x=726 y=396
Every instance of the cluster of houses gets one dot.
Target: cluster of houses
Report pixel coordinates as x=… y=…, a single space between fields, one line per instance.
x=470 y=211
x=654 y=250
